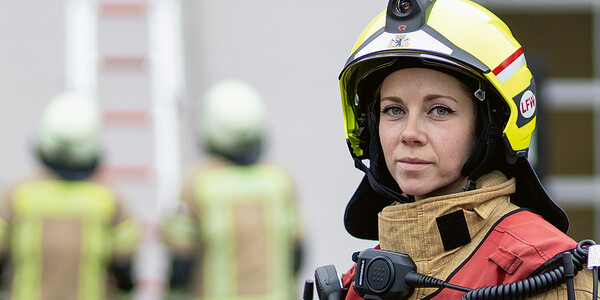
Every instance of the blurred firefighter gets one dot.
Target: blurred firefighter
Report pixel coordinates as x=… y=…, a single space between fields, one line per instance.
x=235 y=234
x=63 y=232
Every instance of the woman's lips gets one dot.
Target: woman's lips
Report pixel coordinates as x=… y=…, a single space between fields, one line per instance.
x=413 y=164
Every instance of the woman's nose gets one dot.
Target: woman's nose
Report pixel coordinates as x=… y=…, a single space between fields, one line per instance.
x=412 y=132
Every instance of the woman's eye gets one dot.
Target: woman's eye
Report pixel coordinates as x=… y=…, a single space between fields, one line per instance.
x=441 y=111
x=394 y=111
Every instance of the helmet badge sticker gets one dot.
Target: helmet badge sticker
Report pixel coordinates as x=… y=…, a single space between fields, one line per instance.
x=418 y=40
x=526 y=103
x=399 y=41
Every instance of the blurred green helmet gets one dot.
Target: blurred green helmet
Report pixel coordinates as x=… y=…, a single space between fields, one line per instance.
x=231 y=121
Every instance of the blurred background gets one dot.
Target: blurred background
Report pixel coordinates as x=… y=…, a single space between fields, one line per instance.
x=147 y=62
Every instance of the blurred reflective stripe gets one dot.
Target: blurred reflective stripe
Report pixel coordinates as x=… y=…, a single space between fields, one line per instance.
x=4 y=236
x=26 y=247
x=60 y=198
x=94 y=254
x=219 y=257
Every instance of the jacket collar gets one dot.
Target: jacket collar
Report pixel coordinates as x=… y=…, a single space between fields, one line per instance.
x=411 y=228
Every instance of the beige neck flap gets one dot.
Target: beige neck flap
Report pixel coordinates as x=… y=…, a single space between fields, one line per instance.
x=411 y=228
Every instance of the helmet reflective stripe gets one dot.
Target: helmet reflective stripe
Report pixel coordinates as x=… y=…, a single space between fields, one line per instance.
x=510 y=66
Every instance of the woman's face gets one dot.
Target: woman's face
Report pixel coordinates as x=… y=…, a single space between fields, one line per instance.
x=427 y=130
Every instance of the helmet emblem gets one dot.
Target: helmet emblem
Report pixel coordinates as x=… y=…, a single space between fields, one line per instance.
x=526 y=103
x=527 y=106
x=399 y=41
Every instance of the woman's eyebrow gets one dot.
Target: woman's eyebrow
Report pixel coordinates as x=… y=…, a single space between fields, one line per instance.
x=431 y=97
x=427 y=98
x=392 y=98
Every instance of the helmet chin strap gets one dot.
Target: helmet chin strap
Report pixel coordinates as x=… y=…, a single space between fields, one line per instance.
x=379 y=188
x=477 y=165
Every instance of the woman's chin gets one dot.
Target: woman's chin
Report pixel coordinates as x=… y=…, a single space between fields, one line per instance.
x=417 y=192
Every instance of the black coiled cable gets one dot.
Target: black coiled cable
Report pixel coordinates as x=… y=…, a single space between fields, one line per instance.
x=534 y=285
x=523 y=289
x=581 y=253
x=415 y=279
